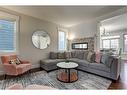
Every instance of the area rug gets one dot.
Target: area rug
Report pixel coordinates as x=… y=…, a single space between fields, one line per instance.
x=85 y=81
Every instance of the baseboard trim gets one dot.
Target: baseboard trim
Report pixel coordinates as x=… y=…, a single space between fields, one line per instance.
x=31 y=71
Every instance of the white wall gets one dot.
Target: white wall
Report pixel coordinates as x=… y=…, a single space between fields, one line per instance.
x=28 y=25
x=89 y=28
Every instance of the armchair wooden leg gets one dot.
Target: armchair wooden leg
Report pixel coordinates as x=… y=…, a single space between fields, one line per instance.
x=5 y=76
x=29 y=71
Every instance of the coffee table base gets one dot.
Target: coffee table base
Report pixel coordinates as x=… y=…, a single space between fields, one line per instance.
x=67 y=77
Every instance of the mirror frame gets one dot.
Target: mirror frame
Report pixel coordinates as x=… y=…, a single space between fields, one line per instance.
x=43 y=31
x=73 y=46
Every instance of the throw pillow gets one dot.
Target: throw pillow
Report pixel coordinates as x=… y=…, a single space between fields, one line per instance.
x=85 y=55
x=17 y=61
x=89 y=56
x=61 y=55
x=12 y=62
x=110 y=60
x=98 y=57
x=67 y=55
x=93 y=56
x=80 y=54
x=73 y=54
x=107 y=60
x=104 y=58
x=53 y=55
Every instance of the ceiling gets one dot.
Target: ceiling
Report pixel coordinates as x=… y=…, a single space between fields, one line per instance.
x=64 y=15
x=115 y=23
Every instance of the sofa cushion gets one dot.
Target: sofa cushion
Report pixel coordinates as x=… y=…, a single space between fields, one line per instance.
x=77 y=54
x=49 y=61
x=110 y=61
x=106 y=59
x=60 y=60
x=73 y=59
x=61 y=55
x=79 y=61
x=80 y=54
x=68 y=55
x=98 y=57
x=53 y=55
x=93 y=58
x=85 y=54
x=83 y=62
x=73 y=54
x=101 y=67
x=90 y=56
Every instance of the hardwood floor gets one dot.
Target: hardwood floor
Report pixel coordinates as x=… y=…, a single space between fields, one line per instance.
x=121 y=83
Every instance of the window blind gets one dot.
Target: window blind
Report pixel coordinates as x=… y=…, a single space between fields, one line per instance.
x=62 y=40
x=7 y=35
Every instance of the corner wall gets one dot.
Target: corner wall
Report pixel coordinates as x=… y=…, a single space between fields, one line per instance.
x=27 y=26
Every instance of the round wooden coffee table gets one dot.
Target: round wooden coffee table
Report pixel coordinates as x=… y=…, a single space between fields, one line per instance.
x=67 y=72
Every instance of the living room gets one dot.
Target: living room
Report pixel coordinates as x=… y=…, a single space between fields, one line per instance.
x=65 y=47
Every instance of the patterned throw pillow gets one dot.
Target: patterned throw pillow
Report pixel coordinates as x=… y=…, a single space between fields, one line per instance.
x=85 y=55
x=61 y=55
x=12 y=62
x=15 y=61
x=73 y=54
x=80 y=54
x=67 y=55
x=89 y=56
x=53 y=55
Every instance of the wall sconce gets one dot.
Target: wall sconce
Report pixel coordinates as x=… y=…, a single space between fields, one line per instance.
x=71 y=37
x=69 y=40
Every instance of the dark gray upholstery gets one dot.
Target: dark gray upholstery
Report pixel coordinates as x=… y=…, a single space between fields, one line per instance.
x=112 y=70
x=99 y=66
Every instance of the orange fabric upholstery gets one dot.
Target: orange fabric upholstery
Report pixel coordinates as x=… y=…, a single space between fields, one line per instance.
x=13 y=69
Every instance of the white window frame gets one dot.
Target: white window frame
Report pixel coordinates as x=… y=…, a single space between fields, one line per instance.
x=8 y=16
x=110 y=38
x=124 y=45
x=66 y=35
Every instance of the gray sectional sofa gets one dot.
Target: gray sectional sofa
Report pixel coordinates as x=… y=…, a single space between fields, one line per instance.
x=86 y=63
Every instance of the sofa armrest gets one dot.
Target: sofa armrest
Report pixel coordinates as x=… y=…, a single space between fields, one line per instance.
x=24 y=62
x=9 y=66
x=10 y=69
x=115 y=67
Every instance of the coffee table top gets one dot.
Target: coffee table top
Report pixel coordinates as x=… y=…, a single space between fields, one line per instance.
x=67 y=65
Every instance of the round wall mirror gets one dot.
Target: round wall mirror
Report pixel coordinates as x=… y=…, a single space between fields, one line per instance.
x=41 y=39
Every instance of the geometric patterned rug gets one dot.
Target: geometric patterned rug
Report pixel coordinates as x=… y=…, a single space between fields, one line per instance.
x=85 y=81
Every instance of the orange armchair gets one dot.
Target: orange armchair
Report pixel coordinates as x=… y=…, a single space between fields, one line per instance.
x=13 y=69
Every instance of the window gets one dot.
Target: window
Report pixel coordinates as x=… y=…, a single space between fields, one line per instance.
x=62 y=40
x=114 y=43
x=125 y=43
x=106 y=44
x=8 y=33
x=110 y=43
